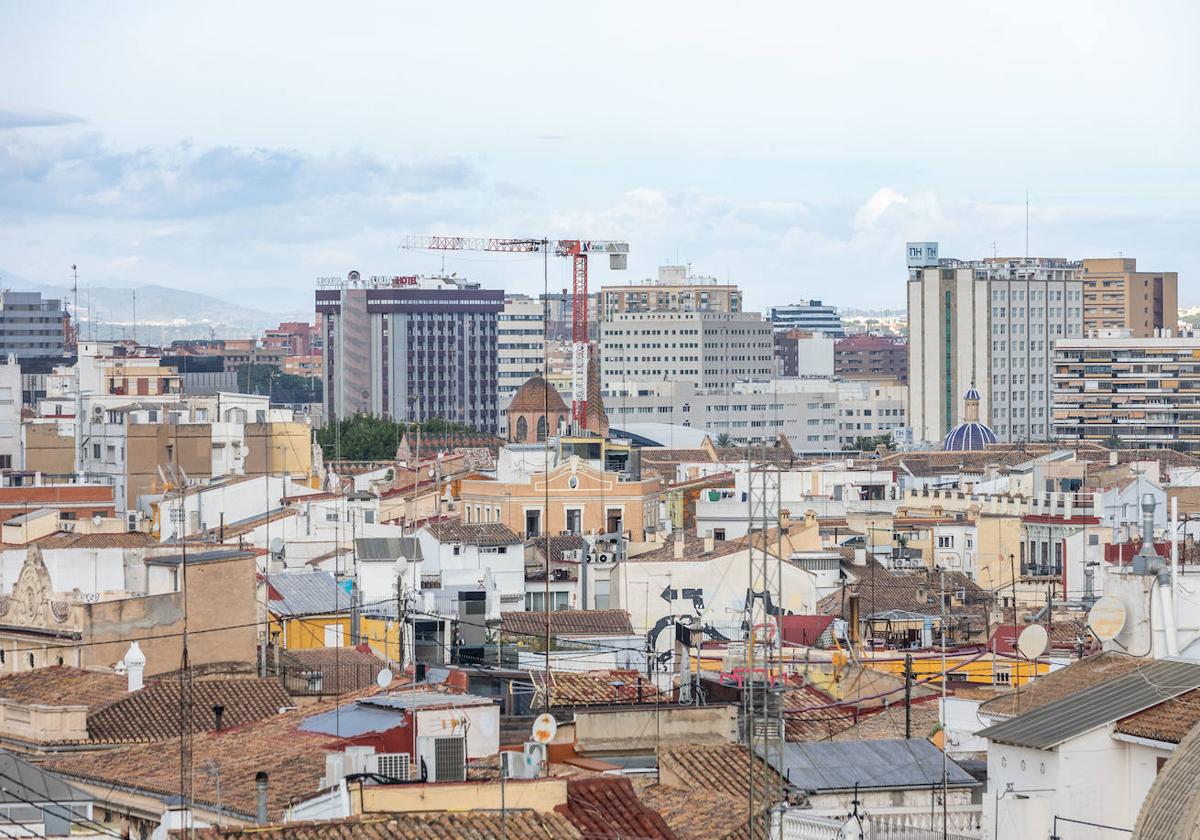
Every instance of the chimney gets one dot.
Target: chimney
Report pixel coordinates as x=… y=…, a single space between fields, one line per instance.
x=1112 y=458
x=260 y=797
x=135 y=666
x=218 y=715
x=709 y=542
x=679 y=545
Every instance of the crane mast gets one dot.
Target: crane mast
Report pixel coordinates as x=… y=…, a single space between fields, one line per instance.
x=577 y=250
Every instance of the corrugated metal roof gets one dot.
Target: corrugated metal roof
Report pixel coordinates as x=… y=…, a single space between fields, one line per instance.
x=306 y=593
x=892 y=763
x=1083 y=711
x=27 y=784
x=388 y=548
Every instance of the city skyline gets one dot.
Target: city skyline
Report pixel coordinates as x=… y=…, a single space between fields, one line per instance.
x=773 y=157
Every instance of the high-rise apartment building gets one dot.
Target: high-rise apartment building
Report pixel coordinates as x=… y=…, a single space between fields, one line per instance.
x=708 y=349
x=32 y=326
x=520 y=347
x=1118 y=296
x=410 y=348
x=991 y=324
x=810 y=316
x=676 y=290
x=1143 y=391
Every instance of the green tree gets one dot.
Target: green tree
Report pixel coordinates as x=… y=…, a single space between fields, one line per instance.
x=361 y=437
x=868 y=443
x=282 y=387
x=724 y=440
x=1112 y=442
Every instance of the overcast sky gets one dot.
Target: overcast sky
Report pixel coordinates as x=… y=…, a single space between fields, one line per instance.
x=244 y=149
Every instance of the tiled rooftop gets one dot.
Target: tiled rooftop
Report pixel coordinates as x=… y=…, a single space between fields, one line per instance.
x=598 y=688
x=294 y=760
x=478 y=533
x=711 y=816
x=1170 y=721
x=607 y=806
x=723 y=768
x=532 y=625
x=1056 y=685
x=62 y=539
x=62 y=685
x=343 y=669
x=443 y=825
x=152 y=713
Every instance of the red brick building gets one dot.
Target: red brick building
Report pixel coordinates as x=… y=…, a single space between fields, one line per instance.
x=871 y=357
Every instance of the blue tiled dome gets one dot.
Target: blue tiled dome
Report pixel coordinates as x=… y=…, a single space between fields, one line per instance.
x=971 y=394
x=968 y=437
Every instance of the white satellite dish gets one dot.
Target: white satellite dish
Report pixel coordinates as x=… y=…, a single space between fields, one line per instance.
x=1033 y=641
x=545 y=727
x=1106 y=618
x=277 y=546
x=97 y=519
x=384 y=678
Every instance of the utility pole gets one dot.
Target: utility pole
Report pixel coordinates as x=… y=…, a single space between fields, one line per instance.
x=908 y=683
x=945 y=679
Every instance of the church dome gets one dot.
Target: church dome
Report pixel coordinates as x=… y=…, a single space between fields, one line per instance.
x=536 y=395
x=971 y=434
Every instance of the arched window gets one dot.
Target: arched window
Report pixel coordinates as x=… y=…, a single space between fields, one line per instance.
x=32 y=662
x=522 y=429
x=541 y=428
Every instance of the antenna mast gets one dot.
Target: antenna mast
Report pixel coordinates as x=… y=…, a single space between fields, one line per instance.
x=1026 y=224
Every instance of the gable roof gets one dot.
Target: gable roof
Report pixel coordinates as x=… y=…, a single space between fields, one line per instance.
x=566 y=623
x=881 y=590
x=607 y=806
x=885 y=764
x=597 y=688
x=476 y=533
x=720 y=767
x=1079 y=675
x=1075 y=714
x=1169 y=721
x=341 y=669
x=152 y=713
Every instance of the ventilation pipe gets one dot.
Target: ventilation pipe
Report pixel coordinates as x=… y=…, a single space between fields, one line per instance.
x=260 y=797
x=135 y=666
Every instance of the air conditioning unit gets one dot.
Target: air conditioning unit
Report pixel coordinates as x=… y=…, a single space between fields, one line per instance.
x=394 y=766
x=443 y=759
x=354 y=760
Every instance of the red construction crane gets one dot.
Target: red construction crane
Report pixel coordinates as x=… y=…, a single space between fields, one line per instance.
x=577 y=250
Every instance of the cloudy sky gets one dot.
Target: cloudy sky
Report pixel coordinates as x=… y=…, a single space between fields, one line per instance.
x=244 y=149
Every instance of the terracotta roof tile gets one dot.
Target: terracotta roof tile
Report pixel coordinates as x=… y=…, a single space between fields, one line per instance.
x=342 y=669
x=536 y=395
x=152 y=713
x=128 y=539
x=62 y=685
x=1171 y=809
x=294 y=760
x=597 y=688
x=723 y=768
x=1170 y=721
x=442 y=825
x=608 y=806
x=532 y=625
x=696 y=815
x=1077 y=676
x=479 y=533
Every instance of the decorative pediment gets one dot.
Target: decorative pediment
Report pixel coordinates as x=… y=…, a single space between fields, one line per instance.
x=31 y=603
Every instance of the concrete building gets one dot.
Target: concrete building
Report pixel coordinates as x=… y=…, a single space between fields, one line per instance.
x=410 y=348
x=806 y=410
x=803 y=354
x=706 y=349
x=810 y=316
x=293 y=338
x=990 y=324
x=676 y=290
x=871 y=357
x=520 y=348
x=870 y=409
x=10 y=416
x=1118 y=296
x=1145 y=391
x=32 y=326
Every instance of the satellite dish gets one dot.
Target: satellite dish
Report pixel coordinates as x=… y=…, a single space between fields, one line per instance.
x=384 y=678
x=545 y=727
x=1106 y=618
x=1033 y=641
x=277 y=546
x=97 y=519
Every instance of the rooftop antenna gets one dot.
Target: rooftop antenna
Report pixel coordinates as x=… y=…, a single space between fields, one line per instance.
x=1027 y=224
x=75 y=312
x=134 y=315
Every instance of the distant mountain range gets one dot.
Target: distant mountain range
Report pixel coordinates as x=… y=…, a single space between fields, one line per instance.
x=162 y=313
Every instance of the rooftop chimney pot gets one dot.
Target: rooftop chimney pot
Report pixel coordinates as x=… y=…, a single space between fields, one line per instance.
x=260 y=797
x=135 y=666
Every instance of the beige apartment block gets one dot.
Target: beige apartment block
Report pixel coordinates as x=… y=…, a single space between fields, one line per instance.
x=1118 y=296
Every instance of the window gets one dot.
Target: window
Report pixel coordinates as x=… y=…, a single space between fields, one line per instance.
x=719 y=534
x=945 y=542
x=96 y=451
